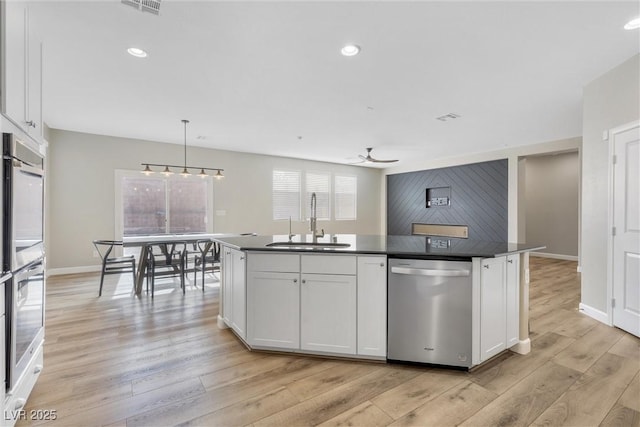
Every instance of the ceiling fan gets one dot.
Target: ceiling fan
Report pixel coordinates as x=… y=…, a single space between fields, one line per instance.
x=369 y=159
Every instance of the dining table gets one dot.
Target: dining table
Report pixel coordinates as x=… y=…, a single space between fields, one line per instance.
x=145 y=241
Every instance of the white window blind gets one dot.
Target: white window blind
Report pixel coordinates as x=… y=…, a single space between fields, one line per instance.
x=346 y=195
x=318 y=183
x=286 y=195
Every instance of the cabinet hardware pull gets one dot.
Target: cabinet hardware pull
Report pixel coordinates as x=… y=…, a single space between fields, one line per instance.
x=382 y=264
x=37 y=369
x=510 y=261
x=241 y=257
x=295 y=280
x=486 y=266
x=304 y=281
x=31 y=124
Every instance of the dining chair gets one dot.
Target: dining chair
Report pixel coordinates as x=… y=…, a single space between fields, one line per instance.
x=165 y=259
x=207 y=258
x=111 y=264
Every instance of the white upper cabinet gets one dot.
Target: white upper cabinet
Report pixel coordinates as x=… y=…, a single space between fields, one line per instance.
x=22 y=68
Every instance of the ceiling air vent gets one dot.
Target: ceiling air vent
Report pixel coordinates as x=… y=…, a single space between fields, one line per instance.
x=449 y=116
x=152 y=6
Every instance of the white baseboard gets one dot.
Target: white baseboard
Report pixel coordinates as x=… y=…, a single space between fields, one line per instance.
x=594 y=313
x=221 y=323
x=523 y=347
x=73 y=270
x=555 y=256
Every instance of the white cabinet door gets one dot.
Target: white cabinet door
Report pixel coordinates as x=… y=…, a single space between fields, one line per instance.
x=328 y=315
x=226 y=263
x=492 y=307
x=22 y=62
x=238 y=294
x=273 y=309
x=372 y=305
x=33 y=122
x=513 y=299
x=14 y=92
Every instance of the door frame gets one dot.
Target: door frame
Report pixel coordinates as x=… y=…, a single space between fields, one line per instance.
x=609 y=138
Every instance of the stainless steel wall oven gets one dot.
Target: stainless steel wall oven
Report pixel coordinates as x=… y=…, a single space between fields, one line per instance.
x=23 y=203
x=22 y=252
x=25 y=293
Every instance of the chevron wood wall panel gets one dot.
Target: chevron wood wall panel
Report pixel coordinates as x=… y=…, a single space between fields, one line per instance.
x=479 y=196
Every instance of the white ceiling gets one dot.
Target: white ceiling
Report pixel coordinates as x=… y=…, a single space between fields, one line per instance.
x=257 y=76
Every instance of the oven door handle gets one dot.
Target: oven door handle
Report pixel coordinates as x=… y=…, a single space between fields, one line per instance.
x=31 y=271
x=429 y=272
x=29 y=170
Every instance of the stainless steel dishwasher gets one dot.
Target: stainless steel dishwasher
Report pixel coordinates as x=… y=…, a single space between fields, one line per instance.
x=429 y=312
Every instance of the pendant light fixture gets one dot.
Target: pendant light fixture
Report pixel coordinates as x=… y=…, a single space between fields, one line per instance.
x=185 y=169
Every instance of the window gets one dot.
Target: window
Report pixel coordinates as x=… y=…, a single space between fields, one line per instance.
x=346 y=195
x=286 y=195
x=318 y=183
x=161 y=204
x=288 y=187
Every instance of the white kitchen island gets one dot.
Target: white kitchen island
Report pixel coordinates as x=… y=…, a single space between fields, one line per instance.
x=332 y=301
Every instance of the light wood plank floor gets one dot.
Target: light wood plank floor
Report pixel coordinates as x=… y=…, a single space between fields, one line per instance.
x=125 y=361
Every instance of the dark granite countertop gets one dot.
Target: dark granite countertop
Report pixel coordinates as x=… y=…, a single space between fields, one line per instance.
x=402 y=246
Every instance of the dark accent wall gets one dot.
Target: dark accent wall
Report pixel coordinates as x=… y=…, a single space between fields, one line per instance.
x=479 y=196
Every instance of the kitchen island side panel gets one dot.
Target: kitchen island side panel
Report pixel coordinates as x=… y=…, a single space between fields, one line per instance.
x=478 y=198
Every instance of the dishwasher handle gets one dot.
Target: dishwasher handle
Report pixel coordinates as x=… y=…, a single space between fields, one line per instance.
x=430 y=272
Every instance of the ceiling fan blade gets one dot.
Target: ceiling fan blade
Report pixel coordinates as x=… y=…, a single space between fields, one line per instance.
x=383 y=161
x=364 y=159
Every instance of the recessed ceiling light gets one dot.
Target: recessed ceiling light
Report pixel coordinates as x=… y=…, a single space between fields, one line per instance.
x=138 y=53
x=350 y=50
x=633 y=24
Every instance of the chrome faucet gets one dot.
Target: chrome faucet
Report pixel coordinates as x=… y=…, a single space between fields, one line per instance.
x=312 y=221
x=291 y=235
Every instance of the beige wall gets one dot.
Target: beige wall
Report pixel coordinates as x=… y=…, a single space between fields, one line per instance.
x=550 y=201
x=81 y=188
x=609 y=101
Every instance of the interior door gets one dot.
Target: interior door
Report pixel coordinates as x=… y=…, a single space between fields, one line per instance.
x=626 y=220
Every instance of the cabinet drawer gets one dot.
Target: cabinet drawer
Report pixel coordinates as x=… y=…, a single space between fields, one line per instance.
x=19 y=395
x=329 y=264
x=273 y=262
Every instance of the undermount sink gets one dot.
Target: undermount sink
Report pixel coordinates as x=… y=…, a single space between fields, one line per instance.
x=309 y=245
